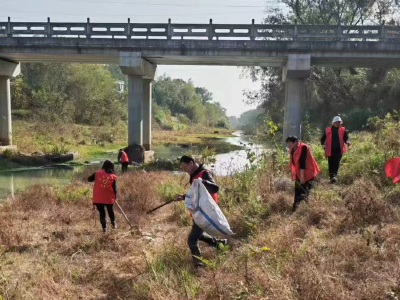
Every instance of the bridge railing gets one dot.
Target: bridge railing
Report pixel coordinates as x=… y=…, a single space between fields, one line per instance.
x=209 y=31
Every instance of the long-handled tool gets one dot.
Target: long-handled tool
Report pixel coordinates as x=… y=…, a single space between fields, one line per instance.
x=126 y=218
x=154 y=209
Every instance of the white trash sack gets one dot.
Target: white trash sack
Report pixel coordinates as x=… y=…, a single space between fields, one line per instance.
x=206 y=213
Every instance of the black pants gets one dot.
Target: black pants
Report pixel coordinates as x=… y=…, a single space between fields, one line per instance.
x=124 y=166
x=102 y=210
x=197 y=234
x=334 y=163
x=301 y=192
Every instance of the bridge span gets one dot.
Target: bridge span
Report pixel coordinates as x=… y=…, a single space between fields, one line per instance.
x=138 y=49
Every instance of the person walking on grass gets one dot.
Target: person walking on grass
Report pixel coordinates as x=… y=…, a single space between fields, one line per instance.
x=304 y=168
x=123 y=160
x=197 y=234
x=334 y=141
x=104 y=193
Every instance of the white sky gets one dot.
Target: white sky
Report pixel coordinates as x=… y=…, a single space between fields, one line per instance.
x=224 y=82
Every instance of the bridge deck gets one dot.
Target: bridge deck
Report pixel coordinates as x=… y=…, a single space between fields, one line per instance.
x=200 y=44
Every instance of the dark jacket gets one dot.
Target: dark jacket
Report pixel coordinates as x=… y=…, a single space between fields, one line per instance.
x=335 y=139
x=303 y=157
x=208 y=181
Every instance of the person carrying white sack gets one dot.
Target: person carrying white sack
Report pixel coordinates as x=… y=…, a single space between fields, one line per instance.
x=197 y=234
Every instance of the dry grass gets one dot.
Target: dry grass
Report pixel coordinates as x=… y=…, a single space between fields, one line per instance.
x=343 y=244
x=92 y=141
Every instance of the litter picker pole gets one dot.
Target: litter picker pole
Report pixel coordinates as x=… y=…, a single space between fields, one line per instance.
x=154 y=209
x=126 y=218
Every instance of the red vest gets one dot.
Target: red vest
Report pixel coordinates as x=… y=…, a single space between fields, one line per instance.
x=392 y=169
x=311 y=169
x=328 y=141
x=200 y=175
x=103 y=192
x=124 y=157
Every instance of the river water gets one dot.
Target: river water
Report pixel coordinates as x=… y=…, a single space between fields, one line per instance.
x=12 y=181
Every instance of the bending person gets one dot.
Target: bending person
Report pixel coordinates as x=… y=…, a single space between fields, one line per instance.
x=197 y=234
x=304 y=169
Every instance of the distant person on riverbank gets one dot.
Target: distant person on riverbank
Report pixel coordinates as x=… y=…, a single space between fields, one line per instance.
x=304 y=169
x=104 y=193
x=196 y=171
x=123 y=160
x=334 y=141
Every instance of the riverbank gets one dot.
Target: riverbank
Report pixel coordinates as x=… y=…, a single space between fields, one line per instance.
x=45 y=139
x=346 y=236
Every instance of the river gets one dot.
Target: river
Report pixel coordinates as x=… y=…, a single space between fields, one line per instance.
x=12 y=181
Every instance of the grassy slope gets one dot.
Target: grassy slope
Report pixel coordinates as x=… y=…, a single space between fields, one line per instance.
x=342 y=245
x=92 y=141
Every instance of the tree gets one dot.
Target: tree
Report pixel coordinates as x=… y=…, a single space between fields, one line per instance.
x=331 y=91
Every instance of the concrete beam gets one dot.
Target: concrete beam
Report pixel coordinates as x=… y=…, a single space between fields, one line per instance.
x=132 y=63
x=298 y=66
x=9 y=69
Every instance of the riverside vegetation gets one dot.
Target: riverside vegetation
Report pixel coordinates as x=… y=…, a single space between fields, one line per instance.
x=71 y=107
x=343 y=245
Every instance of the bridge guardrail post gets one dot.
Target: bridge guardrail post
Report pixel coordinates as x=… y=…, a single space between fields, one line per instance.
x=339 y=32
x=129 y=30
x=169 y=30
x=210 y=31
x=383 y=31
x=9 y=33
x=252 y=31
x=48 y=28
x=88 y=28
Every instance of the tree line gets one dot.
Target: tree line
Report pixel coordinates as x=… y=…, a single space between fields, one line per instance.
x=354 y=93
x=88 y=94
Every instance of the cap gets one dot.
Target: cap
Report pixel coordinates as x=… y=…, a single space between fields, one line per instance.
x=337 y=119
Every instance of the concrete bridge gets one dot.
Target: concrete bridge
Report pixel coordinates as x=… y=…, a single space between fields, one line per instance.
x=139 y=48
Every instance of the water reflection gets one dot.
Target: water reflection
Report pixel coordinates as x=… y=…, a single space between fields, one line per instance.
x=16 y=180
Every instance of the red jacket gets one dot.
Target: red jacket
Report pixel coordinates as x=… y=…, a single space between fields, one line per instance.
x=392 y=169
x=311 y=169
x=103 y=192
x=328 y=141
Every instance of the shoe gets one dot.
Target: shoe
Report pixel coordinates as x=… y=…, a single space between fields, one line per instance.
x=221 y=244
x=104 y=230
x=114 y=225
x=198 y=264
x=333 y=179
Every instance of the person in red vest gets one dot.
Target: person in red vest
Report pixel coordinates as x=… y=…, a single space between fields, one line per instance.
x=124 y=160
x=104 y=193
x=334 y=141
x=197 y=234
x=304 y=169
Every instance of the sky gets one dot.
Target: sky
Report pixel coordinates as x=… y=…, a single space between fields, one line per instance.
x=225 y=83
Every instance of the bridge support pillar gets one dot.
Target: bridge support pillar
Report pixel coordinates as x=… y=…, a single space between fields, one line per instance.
x=140 y=73
x=7 y=70
x=294 y=76
x=147 y=97
x=135 y=110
